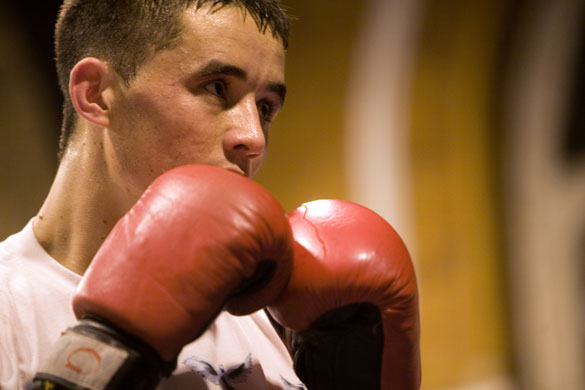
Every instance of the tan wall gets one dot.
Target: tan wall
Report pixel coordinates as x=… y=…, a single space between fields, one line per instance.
x=465 y=336
x=27 y=154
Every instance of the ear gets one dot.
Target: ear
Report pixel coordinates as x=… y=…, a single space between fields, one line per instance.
x=89 y=83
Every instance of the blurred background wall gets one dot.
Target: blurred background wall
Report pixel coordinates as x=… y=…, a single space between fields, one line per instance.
x=461 y=122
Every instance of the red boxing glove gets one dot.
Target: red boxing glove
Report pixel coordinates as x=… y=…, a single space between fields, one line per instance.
x=350 y=311
x=198 y=240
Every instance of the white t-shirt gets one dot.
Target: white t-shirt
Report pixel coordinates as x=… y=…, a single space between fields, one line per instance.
x=35 y=307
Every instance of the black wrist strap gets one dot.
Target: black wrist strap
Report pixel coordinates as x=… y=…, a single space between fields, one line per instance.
x=342 y=349
x=97 y=355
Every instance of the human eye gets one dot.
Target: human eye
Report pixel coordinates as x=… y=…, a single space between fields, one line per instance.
x=268 y=110
x=217 y=88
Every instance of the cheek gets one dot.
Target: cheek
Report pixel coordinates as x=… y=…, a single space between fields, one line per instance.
x=165 y=122
x=150 y=138
x=154 y=132
x=143 y=164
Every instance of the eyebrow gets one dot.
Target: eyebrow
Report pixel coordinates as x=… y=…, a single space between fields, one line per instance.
x=279 y=89
x=215 y=67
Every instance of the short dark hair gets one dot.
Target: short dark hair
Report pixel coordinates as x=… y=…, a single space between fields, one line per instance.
x=125 y=33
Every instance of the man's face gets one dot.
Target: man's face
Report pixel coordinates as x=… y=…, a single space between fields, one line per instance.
x=209 y=100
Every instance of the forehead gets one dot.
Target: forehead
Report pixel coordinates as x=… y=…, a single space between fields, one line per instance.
x=226 y=16
x=228 y=30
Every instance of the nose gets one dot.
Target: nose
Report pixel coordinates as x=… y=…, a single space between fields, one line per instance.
x=245 y=139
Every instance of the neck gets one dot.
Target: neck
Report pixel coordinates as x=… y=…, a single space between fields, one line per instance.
x=83 y=205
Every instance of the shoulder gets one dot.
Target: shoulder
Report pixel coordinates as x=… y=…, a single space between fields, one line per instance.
x=30 y=275
x=10 y=375
x=35 y=306
x=11 y=277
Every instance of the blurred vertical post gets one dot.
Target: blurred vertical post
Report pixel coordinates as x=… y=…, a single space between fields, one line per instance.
x=465 y=339
x=545 y=198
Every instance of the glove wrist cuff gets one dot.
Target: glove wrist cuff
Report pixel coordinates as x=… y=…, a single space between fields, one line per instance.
x=98 y=356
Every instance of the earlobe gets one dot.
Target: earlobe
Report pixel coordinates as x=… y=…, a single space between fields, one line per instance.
x=88 y=83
